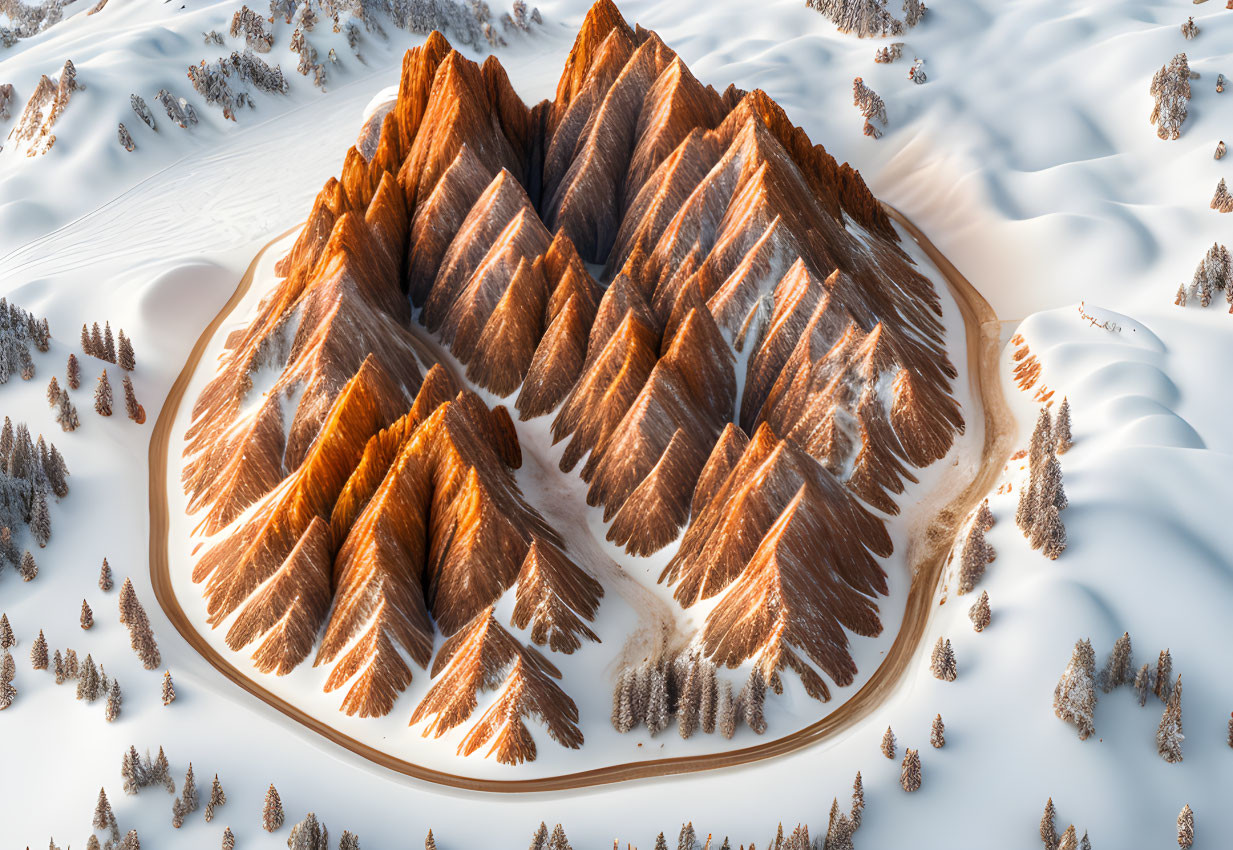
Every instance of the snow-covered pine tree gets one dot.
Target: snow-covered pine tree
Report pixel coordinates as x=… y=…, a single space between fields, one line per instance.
x=131 y=841
x=7 y=640
x=753 y=696
x=28 y=569
x=169 y=691
x=984 y=516
x=1171 y=90
x=1185 y=828
x=687 y=700
x=657 y=702
x=53 y=392
x=1069 y=840
x=1119 y=667
x=40 y=519
x=113 y=702
x=1190 y=29
x=979 y=612
x=1180 y=298
x=87 y=341
x=88 y=685
x=132 y=407
x=1164 y=675
x=1074 y=698
x=124 y=355
x=943 y=664
x=726 y=720
x=348 y=841
x=1061 y=430
x=687 y=839
x=1048 y=832
x=1222 y=201
x=622 y=701
x=871 y=106
x=272 y=811
x=96 y=343
x=558 y=841
x=109 y=344
x=160 y=772
x=66 y=414
x=57 y=667
x=71 y=667
x=105 y=582
x=888 y=744
x=131 y=772
x=909 y=772
x=87 y=616
x=104 y=817
x=228 y=839
x=102 y=395
x=188 y=791
x=430 y=843
x=858 y=799
x=937 y=734
x=1169 y=735
x=974 y=555
x=217 y=798
x=57 y=472
x=177 y=813
x=38 y=652
x=8 y=667
x=913 y=11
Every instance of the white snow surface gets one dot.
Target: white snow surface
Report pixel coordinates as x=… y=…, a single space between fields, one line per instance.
x=1028 y=159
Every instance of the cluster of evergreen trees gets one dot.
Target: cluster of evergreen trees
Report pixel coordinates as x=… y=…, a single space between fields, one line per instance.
x=1171 y=92
x=30 y=472
x=689 y=690
x=871 y=107
x=868 y=18
x=1041 y=502
x=19 y=330
x=141 y=636
x=102 y=345
x=976 y=553
x=1075 y=696
x=1069 y=839
x=92 y=681
x=1214 y=272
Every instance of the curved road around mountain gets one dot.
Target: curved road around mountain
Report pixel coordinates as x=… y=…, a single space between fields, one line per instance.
x=928 y=550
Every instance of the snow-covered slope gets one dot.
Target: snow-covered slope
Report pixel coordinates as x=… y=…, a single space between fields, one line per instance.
x=1027 y=157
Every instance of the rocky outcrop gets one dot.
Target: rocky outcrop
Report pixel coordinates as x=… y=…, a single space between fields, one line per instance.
x=752 y=385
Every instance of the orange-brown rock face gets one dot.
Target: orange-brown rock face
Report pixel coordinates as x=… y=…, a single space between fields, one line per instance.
x=749 y=380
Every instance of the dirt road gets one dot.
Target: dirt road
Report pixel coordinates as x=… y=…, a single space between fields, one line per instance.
x=929 y=555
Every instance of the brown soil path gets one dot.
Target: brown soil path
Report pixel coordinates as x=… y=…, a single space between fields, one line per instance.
x=982 y=337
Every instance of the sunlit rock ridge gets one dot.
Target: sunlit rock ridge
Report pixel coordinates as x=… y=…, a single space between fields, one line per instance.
x=749 y=381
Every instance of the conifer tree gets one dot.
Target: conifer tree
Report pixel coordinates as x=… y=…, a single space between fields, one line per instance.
x=228 y=839
x=28 y=569
x=622 y=701
x=109 y=344
x=937 y=735
x=87 y=682
x=73 y=372
x=661 y=843
x=1169 y=735
x=70 y=664
x=38 y=652
x=753 y=696
x=131 y=841
x=135 y=411
x=272 y=811
x=1143 y=684
x=66 y=415
x=188 y=792
x=177 y=813
x=1164 y=675
x=113 y=702
x=984 y=516
x=909 y=772
x=1069 y=840
x=8 y=693
x=169 y=691
x=7 y=641
x=727 y=711
x=708 y=697
x=104 y=578
x=888 y=744
x=160 y=771
x=973 y=557
x=1061 y=430
x=87 y=342
x=979 y=612
x=1185 y=828
x=1084 y=843
x=1119 y=666
x=687 y=702
x=128 y=599
x=539 y=840
x=40 y=519
x=87 y=616
x=53 y=392
x=57 y=472
x=103 y=815
x=1230 y=739
x=657 y=703
x=58 y=668
x=348 y=841
x=217 y=798
x=125 y=355
x=943 y=663
x=858 y=799
x=1048 y=832
x=102 y=395
x=687 y=838
x=92 y=843
x=8 y=667
x=1074 y=698
x=558 y=840
x=430 y=843
x=131 y=772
